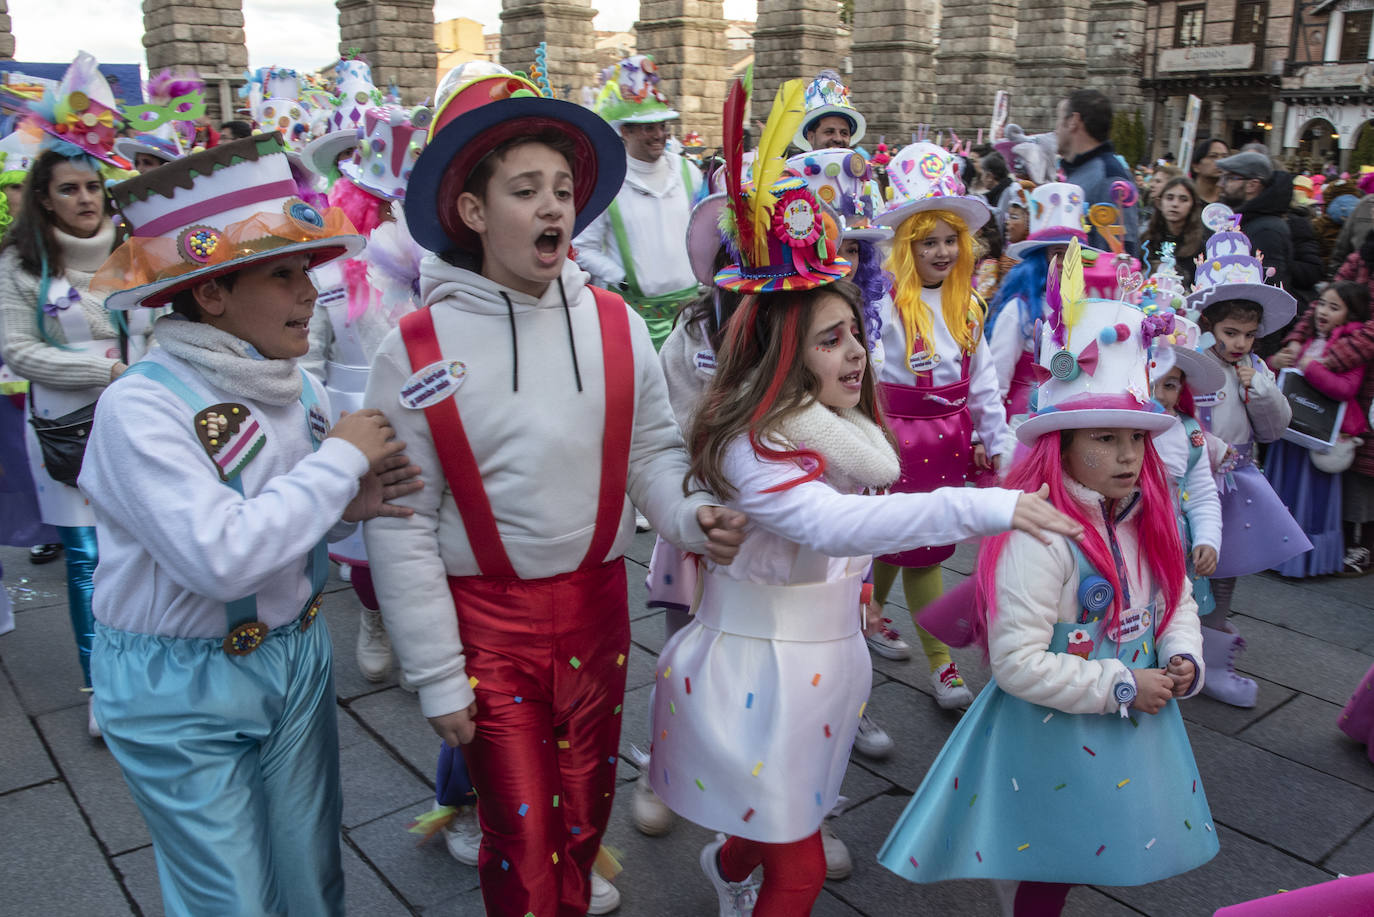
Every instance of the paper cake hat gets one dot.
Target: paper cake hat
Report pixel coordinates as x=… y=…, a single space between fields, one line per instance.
x=1091 y=358
x=463 y=74
x=81 y=114
x=354 y=94
x=826 y=96
x=843 y=181
x=1228 y=270
x=924 y=177
x=631 y=94
x=392 y=141
x=783 y=238
x=1056 y=218
x=211 y=213
x=281 y=108
x=1182 y=346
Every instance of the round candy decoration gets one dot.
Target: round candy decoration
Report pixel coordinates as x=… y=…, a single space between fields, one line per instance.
x=1064 y=366
x=794 y=219
x=932 y=165
x=855 y=165
x=1095 y=594
x=78 y=101
x=304 y=214
x=197 y=244
x=1217 y=217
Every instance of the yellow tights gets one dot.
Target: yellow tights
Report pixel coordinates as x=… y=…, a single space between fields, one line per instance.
x=920 y=586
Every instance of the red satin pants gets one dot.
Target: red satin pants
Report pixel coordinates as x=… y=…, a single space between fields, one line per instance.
x=793 y=874
x=548 y=662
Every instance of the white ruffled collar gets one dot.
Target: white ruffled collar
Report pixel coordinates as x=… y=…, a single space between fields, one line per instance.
x=1092 y=500
x=857 y=452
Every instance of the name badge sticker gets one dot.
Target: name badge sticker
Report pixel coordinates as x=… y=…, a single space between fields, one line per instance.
x=1209 y=400
x=923 y=361
x=1134 y=623
x=705 y=362
x=319 y=424
x=433 y=384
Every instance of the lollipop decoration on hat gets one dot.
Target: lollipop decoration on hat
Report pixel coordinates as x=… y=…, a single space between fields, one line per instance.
x=631 y=94
x=79 y=116
x=922 y=176
x=777 y=228
x=843 y=181
x=1228 y=270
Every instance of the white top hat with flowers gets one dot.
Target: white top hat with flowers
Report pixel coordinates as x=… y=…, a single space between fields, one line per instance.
x=631 y=94
x=281 y=108
x=1091 y=361
x=1227 y=270
x=1183 y=346
x=843 y=181
x=1056 y=218
x=924 y=177
x=826 y=97
x=212 y=213
x=393 y=139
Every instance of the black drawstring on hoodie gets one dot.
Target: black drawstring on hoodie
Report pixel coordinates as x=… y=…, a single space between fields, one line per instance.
x=572 y=344
x=514 y=345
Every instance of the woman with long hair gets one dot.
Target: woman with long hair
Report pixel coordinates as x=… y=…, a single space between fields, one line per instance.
x=1177 y=218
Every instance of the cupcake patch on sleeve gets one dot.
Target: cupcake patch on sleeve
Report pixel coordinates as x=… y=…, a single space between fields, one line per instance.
x=1080 y=644
x=230 y=435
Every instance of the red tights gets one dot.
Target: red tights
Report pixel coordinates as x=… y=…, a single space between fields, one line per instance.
x=1040 y=899
x=793 y=874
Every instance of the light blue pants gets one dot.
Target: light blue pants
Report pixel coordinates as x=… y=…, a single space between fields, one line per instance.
x=80 y=554
x=234 y=763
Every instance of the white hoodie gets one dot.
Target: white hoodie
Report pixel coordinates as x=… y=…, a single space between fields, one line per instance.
x=538 y=449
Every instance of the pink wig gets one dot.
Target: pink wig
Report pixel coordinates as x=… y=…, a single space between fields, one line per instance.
x=1158 y=528
x=364 y=211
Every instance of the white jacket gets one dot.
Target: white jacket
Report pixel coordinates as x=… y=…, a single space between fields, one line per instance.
x=537 y=448
x=1260 y=414
x=1203 y=505
x=1037 y=587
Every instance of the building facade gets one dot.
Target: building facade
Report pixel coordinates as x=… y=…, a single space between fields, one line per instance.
x=1328 y=87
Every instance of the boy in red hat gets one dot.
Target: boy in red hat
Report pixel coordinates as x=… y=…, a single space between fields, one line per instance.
x=541 y=404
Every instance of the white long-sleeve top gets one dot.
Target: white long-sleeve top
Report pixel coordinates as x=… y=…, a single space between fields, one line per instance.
x=1202 y=505
x=538 y=451
x=848 y=528
x=176 y=543
x=1006 y=344
x=1037 y=587
x=1259 y=415
x=655 y=207
x=984 y=402
x=687 y=376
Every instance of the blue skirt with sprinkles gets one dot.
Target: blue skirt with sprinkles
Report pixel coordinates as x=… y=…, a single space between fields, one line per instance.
x=1031 y=793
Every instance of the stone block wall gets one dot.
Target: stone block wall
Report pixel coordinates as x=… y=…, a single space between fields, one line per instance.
x=202 y=36
x=566 y=25
x=1052 y=59
x=397 y=38
x=1116 y=51
x=977 y=58
x=6 y=34
x=893 y=55
x=793 y=39
x=687 y=41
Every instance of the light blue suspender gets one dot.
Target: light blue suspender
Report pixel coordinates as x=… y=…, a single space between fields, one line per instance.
x=241 y=615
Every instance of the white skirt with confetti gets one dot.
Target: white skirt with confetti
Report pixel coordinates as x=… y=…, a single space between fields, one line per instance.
x=756 y=706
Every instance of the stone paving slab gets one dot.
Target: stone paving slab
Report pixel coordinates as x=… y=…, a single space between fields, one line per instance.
x=426 y=876
x=52 y=864
x=1355 y=855
x=1303 y=731
x=1299 y=798
x=40 y=656
x=1289 y=658
x=1294 y=605
x=25 y=760
x=1230 y=720
x=138 y=868
x=95 y=779
x=395 y=716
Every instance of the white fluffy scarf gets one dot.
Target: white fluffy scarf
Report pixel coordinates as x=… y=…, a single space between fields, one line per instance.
x=857 y=453
x=227 y=362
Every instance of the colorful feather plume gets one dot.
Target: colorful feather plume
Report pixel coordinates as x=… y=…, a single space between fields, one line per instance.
x=789 y=107
x=736 y=101
x=1071 y=289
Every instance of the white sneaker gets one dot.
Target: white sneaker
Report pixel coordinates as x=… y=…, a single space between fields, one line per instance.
x=651 y=815
x=374 y=646
x=736 y=898
x=886 y=642
x=872 y=740
x=605 y=896
x=641 y=523
x=838 y=865
x=950 y=691
x=92 y=727
x=463 y=837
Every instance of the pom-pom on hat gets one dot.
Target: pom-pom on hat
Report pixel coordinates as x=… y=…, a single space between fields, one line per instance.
x=1056 y=218
x=480 y=116
x=212 y=213
x=1182 y=347
x=777 y=228
x=631 y=94
x=393 y=138
x=843 y=181
x=79 y=116
x=826 y=96
x=1227 y=270
x=924 y=177
x=1091 y=361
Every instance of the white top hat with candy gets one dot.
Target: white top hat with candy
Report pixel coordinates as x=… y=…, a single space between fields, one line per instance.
x=1091 y=361
x=924 y=177
x=1056 y=218
x=843 y=181
x=827 y=97
x=1228 y=270
x=394 y=138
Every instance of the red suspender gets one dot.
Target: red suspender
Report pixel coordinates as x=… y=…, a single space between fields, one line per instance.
x=455 y=453
x=618 y=357
x=460 y=465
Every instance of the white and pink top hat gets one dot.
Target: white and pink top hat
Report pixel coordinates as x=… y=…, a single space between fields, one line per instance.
x=393 y=139
x=923 y=177
x=1056 y=218
x=843 y=181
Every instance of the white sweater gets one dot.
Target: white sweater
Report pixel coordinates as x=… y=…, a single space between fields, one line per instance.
x=655 y=208
x=538 y=450
x=176 y=543
x=1258 y=415
x=1037 y=587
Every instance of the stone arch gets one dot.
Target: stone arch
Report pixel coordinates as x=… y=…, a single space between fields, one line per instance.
x=397 y=38
x=205 y=36
x=566 y=27
x=687 y=41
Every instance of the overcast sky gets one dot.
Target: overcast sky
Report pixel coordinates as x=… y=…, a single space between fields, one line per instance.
x=294 y=33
